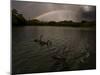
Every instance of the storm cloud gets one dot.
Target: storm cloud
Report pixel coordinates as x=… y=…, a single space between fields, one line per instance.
x=53 y=11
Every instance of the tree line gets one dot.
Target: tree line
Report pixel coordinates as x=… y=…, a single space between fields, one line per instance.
x=19 y=20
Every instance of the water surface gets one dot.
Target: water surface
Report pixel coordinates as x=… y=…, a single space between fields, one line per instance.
x=29 y=57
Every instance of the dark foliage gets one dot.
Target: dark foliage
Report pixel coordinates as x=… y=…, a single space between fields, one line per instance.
x=18 y=19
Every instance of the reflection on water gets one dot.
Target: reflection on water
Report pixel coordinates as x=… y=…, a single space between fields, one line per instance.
x=76 y=45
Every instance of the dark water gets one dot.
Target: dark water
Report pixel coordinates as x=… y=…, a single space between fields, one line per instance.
x=77 y=45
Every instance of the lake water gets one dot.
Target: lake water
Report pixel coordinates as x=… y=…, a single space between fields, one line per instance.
x=30 y=57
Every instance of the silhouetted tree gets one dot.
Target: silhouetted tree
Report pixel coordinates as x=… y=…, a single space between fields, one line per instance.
x=52 y=23
x=83 y=21
x=18 y=19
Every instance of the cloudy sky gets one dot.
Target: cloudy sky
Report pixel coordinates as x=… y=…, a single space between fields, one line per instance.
x=54 y=12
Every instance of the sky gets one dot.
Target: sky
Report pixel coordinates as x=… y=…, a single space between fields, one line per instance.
x=54 y=12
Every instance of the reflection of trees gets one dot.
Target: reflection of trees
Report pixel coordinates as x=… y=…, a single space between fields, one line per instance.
x=19 y=20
